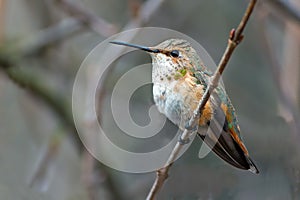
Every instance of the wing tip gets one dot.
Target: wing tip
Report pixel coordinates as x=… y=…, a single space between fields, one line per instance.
x=252 y=166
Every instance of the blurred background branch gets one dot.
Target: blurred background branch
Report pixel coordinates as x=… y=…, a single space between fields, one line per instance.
x=285 y=8
x=43 y=39
x=95 y=23
x=56 y=101
x=285 y=68
x=288 y=106
x=54 y=34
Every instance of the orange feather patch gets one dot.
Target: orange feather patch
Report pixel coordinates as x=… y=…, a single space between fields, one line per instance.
x=232 y=131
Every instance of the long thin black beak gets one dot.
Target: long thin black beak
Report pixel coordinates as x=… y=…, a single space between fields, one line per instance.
x=148 y=49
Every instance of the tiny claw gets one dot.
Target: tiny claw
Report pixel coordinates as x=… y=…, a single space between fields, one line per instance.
x=190 y=127
x=232 y=34
x=183 y=141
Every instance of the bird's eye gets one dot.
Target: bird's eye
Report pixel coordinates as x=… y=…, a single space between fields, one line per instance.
x=174 y=53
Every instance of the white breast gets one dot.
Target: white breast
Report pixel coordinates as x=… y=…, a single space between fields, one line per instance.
x=168 y=102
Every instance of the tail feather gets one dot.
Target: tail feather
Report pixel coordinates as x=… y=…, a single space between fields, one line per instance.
x=240 y=161
x=219 y=150
x=226 y=147
x=223 y=139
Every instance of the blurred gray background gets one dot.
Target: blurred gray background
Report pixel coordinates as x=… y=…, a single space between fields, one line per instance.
x=42 y=44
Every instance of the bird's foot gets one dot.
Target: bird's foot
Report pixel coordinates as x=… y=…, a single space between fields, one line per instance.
x=190 y=127
x=183 y=141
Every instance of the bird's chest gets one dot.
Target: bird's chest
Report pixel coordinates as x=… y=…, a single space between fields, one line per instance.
x=168 y=102
x=177 y=100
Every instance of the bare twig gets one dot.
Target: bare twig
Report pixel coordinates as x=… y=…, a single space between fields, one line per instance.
x=96 y=23
x=235 y=38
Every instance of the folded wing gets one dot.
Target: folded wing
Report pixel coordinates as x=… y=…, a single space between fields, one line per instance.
x=222 y=135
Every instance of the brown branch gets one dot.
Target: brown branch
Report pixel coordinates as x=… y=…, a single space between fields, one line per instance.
x=234 y=39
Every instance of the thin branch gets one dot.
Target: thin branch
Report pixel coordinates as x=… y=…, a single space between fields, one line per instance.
x=234 y=39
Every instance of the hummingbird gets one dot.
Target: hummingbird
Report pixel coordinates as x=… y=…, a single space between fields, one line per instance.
x=179 y=81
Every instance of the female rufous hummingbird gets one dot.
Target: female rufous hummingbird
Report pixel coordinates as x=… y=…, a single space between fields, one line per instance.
x=179 y=80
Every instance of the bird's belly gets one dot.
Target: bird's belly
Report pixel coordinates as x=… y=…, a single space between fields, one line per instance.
x=170 y=103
